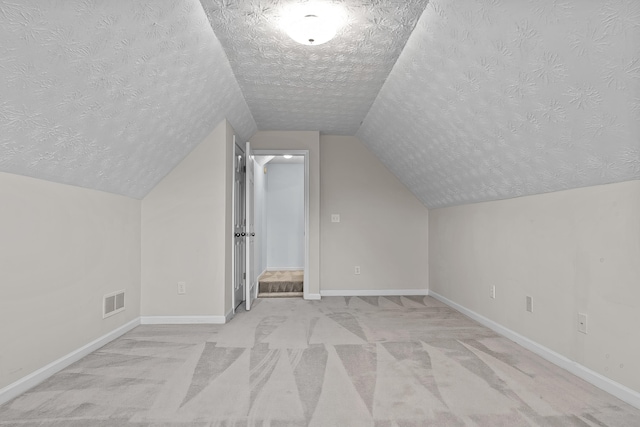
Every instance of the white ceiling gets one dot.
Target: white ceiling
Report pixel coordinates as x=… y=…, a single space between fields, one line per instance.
x=496 y=99
x=329 y=87
x=282 y=160
x=110 y=94
x=489 y=99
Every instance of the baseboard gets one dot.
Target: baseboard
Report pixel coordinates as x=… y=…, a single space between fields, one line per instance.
x=23 y=384
x=373 y=292
x=618 y=390
x=183 y=320
x=312 y=297
x=285 y=268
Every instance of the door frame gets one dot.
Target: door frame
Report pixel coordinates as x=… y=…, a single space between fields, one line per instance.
x=305 y=154
x=250 y=282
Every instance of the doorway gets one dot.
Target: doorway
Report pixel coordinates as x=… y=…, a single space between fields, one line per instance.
x=280 y=224
x=249 y=243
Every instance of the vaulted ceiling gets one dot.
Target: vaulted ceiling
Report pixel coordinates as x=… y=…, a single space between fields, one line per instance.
x=496 y=99
x=464 y=101
x=329 y=87
x=110 y=94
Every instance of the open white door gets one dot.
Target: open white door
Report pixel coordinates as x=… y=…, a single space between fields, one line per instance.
x=239 y=240
x=251 y=281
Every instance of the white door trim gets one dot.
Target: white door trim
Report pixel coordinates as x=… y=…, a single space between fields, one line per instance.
x=233 y=228
x=249 y=229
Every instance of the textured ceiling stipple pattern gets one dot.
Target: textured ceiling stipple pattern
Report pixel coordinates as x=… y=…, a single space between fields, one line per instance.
x=330 y=87
x=495 y=99
x=110 y=95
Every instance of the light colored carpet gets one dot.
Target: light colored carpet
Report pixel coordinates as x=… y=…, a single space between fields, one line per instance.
x=348 y=362
x=280 y=283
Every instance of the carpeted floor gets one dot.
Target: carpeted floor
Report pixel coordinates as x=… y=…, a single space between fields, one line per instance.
x=282 y=283
x=342 y=361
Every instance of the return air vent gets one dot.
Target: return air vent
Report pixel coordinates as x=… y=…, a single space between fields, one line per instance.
x=113 y=303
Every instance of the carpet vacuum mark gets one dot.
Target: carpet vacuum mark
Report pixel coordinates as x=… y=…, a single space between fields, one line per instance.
x=341 y=361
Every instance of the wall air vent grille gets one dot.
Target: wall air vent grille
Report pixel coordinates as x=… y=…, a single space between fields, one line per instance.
x=113 y=303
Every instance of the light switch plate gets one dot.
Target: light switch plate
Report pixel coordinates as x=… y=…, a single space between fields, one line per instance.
x=335 y=217
x=182 y=288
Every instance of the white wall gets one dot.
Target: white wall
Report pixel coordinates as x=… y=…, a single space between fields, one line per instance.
x=62 y=248
x=302 y=140
x=572 y=251
x=285 y=215
x=383 y=228
x=186 y=233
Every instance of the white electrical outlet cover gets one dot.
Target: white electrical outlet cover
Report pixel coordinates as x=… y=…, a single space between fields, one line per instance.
x=582 y=323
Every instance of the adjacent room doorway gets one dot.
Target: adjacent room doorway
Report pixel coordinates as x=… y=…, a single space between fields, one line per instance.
x=280 y=218
x=288 y=249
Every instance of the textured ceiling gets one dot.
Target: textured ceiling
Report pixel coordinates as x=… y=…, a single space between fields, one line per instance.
x=495 y=99
x=489 y=99
x=111 y=94
x=330 y=87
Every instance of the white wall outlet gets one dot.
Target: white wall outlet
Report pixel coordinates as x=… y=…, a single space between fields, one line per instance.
x=582 y=323
x=182 y=288
x=529 y=304
x=492 y=292
x=335 y=217
x=356 y=269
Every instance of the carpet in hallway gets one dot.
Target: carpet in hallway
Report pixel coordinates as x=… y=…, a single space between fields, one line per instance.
x=282 y=283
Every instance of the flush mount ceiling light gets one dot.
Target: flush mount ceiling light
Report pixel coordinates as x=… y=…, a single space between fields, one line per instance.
x=287 y=156
x=312 y=23
x=311 y=30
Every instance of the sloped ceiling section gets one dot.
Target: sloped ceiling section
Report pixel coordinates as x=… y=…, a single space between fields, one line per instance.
x=497 y=99
x=110 y=95
x=329 y=87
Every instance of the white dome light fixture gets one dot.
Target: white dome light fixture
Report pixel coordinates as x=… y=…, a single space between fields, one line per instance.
x=312 y=24
x=311 y=30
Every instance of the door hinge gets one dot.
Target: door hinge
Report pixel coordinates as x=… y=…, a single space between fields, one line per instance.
x=244 y=275
x=244 y=169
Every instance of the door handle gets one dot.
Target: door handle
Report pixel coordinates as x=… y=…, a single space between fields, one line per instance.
x=243 y=234
x=253 y=234
x=237 y=234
